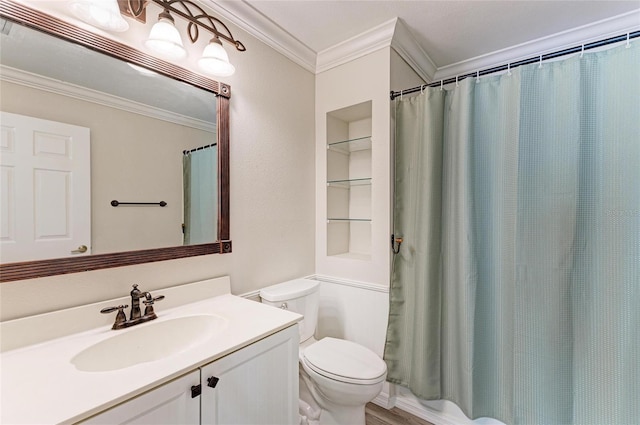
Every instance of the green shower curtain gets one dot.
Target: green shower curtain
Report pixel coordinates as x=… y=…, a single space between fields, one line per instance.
x=516 y=292
x=200 y=192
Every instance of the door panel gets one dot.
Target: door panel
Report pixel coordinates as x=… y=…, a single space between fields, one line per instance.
x=257 y=385
x=45 y=184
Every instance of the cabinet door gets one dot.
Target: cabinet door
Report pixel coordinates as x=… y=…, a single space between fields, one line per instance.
x=170 y=403
x=257 y=385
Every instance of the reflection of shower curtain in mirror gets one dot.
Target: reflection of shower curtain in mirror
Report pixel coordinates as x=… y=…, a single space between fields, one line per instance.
x=200 y=195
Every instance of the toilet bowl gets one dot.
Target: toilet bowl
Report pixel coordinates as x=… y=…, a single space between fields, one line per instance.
x=341 y=377
x=337 y=377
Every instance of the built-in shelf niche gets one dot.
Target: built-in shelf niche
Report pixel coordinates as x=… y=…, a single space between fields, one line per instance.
x=349 y=182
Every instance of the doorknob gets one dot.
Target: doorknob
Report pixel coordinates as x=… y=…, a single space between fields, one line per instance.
x=81 y=249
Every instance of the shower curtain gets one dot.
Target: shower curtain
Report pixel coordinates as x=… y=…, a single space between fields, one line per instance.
x=200 y=192
x=516 y=292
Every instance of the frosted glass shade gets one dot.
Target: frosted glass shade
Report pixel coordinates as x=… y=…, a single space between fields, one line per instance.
x=215 y=60
x=164 y=39
x=104 y=14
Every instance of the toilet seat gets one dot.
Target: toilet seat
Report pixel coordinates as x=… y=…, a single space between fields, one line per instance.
x=344 y=361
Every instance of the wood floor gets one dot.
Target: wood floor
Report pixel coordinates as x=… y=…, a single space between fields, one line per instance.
x=376 y=415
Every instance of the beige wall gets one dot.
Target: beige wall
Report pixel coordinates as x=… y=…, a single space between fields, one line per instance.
x=272 y=197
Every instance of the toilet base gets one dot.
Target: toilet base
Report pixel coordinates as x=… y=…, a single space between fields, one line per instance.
x=354 y=415
x=321 y=411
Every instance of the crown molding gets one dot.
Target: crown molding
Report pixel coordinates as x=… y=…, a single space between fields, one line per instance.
x=394 y=33
x=367 y=42
x=613 y=26
x=413 y=54
x=50 y=85
x=243 y=15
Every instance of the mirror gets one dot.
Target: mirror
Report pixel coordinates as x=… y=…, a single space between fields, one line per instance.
x=197 y=101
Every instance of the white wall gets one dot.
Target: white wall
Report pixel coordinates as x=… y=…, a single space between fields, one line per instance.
x=402 y=75
x=361 y=80
x=353 y=311
x=272 y=197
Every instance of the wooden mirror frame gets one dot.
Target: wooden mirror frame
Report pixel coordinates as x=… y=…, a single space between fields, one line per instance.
x=40 y=21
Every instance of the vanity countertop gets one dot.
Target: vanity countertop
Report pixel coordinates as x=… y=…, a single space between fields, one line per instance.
x=40 y=385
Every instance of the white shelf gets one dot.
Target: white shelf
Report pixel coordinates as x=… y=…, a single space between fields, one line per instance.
x=351 y=145
x=354 y=256
x=349 y=182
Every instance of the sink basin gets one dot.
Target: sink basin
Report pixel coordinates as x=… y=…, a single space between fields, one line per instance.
x=148 y=342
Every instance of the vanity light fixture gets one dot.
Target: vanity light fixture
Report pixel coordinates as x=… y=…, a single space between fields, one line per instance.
x=164 y=38
x=104 y=14
x=215 y=60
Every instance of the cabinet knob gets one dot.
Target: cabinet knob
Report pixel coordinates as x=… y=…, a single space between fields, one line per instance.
x=212 y=381
x=196 y=390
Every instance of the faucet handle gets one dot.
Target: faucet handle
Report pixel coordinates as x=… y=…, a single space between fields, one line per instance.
x=112 y=309
x=149 y=299
x=148 y=302
x=121 y=318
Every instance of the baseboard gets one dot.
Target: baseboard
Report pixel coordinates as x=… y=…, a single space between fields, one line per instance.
x=390 y=398
x=423 y=412
x=386 y=398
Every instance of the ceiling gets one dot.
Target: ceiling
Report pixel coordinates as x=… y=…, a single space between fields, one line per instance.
x=448 y=32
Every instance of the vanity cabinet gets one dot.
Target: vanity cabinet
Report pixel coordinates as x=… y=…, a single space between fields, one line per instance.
x=170 y=403
x=256 y=385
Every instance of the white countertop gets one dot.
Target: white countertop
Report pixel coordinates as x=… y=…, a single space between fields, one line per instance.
x=39 y=384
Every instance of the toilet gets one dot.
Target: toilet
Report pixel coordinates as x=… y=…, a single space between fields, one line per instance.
x=337 y=377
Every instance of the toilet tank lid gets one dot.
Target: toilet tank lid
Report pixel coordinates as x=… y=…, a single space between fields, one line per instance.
x=289 y=290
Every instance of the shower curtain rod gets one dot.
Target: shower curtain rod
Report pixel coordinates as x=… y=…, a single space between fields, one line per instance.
x=505 y=67
x=185 y=152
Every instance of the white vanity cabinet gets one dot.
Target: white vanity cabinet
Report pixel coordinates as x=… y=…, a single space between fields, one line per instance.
x=255 y=385
x=170 y=403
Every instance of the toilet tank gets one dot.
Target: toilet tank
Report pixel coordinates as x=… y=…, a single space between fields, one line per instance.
x=299 y=296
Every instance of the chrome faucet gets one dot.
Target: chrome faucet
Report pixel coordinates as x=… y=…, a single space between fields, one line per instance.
x=135 y=316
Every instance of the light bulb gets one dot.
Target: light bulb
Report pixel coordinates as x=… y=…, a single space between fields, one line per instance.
x=103 y=14
x=215 y=60
x=164 y=38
